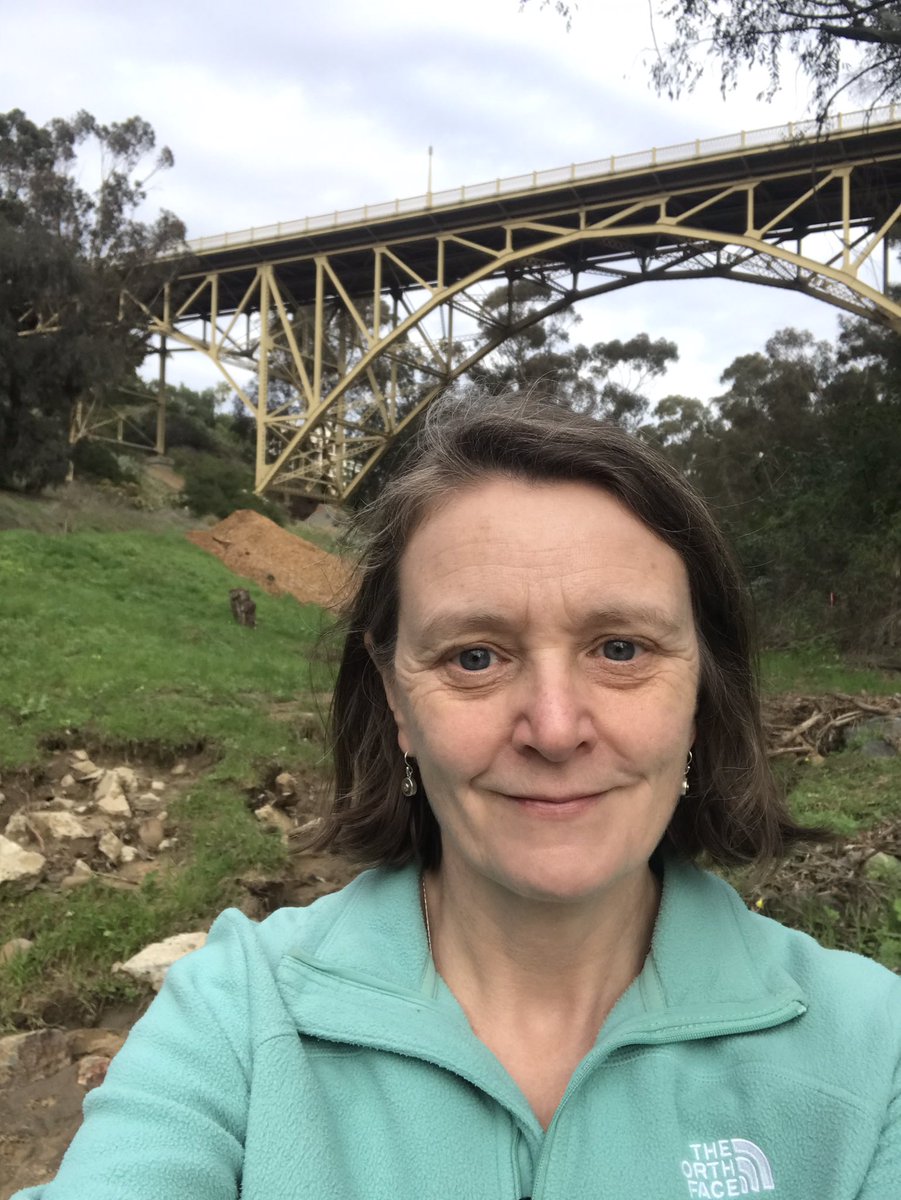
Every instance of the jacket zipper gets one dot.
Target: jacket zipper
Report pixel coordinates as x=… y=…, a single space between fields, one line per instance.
x=785 y=1012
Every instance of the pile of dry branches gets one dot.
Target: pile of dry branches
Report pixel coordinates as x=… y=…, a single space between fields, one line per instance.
x=812 y=726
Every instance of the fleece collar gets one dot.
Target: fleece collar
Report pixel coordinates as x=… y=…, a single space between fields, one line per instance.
x=369 y=979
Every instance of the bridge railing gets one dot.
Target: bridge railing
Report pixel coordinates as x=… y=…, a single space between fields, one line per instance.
x=535 y=180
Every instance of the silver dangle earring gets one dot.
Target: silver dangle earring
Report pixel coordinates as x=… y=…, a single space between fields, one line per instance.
x=409 y=786
x=685 y=776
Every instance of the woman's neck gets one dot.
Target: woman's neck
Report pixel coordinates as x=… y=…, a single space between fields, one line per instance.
x=540 y=964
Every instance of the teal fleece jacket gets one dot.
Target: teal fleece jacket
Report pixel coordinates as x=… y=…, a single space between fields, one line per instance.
x=318 y=1055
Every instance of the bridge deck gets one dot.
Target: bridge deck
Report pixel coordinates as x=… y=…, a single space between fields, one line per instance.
x=681 y=175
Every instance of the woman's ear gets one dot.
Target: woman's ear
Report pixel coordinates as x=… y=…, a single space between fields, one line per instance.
x=390 y=685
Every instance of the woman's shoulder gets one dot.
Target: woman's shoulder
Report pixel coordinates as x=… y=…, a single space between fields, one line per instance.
x=839 y=986
x=837 y=981
x=306 y=929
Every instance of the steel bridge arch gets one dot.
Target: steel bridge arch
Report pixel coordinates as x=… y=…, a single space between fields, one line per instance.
x=879 y=303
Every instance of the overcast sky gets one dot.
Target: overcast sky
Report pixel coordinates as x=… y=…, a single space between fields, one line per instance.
x=276 y=111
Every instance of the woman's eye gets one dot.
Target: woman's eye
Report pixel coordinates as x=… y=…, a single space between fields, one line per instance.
x=620 y=650
x=475 y=659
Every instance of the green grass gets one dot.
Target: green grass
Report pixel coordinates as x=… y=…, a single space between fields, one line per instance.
x=848 y=792
x=819 y=670
x=129 y=637
x=126 y=641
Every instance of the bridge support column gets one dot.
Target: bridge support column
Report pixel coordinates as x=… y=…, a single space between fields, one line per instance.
x=160 y=446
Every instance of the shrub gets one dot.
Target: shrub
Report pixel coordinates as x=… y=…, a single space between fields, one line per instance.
x=216 y=487
x=94 y=460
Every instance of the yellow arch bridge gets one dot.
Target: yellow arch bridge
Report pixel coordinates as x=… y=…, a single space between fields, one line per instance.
x=354 y=321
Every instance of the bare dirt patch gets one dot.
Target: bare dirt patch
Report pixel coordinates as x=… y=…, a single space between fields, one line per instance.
x=257 y=549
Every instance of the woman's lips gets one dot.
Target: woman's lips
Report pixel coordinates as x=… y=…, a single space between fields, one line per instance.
x=557 y=806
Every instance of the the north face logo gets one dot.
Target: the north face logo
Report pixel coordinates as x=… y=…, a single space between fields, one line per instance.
x=729 y=1167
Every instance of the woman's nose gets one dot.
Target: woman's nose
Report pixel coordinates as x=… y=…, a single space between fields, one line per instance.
x=554 y=716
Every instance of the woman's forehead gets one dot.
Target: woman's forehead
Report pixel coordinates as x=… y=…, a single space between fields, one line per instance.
x=503 y=535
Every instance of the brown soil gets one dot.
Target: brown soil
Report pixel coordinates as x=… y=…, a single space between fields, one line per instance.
x=37 y=1122
x=257 y=549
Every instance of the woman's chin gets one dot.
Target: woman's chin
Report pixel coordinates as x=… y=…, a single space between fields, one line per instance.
x=570 y=883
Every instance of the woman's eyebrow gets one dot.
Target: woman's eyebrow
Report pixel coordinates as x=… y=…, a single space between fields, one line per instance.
x=452 y=623
x=628 y=616
x=614 y=618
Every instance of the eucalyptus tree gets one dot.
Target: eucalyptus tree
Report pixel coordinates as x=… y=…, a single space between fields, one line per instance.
x=71 y=256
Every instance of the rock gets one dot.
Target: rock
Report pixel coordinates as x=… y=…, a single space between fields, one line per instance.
x=157 y=785
x=23 y=867
x=25 y=1057
x=152 y=963
x=128 y=855
x=13 y=948
x=92 y=1070
x=107 y=784
x=878 y=737
x=147 y=802
x=2 y=797
x=274 y=818
x=168 y=844
x=884 y=868
x=179 y=769
x=61 y=827
x=151 y=833
x=285 y=784
x=110 y=846
x=18 y=828
x=85 y=771
x=110 y=793
x=878 y=749
x=308 y=827
x=94 y=1041
x=115 y=805
x=79 y=756
x=127 y=780
x=81 y=874
x=67 y=781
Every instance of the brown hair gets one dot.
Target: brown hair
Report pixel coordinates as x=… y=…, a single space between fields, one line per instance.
x=734 y=809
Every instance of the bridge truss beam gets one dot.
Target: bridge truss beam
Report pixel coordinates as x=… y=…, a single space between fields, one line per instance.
x=353 y=334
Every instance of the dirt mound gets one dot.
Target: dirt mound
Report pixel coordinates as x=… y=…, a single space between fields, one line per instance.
x=256 y=548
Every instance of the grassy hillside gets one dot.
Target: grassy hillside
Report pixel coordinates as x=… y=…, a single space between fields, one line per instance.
x=102 y=508
x=125 y=642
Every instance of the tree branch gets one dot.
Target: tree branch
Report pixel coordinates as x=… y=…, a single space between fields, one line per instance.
x=856 y=33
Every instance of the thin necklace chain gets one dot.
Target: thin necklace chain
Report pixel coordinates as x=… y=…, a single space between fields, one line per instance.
x=425 y=912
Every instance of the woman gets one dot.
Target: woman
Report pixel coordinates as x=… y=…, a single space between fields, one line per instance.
x=544 y=711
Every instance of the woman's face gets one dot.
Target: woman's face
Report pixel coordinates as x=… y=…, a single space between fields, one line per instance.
x=545 y=679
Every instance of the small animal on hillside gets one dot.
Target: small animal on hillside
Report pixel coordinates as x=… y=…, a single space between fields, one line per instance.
x=243 y=608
